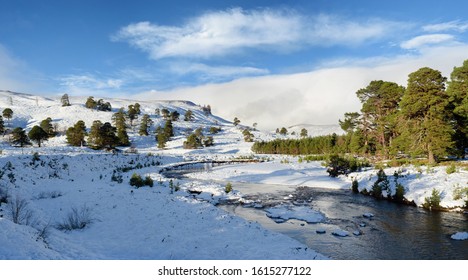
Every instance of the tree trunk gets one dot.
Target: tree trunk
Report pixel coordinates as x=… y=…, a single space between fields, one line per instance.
x=431 y=157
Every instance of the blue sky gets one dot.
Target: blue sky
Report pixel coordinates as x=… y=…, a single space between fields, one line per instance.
x=132 y=47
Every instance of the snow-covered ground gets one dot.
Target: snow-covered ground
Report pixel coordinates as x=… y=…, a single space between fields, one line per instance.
x=171 y=220
x=120 y=221
x=418 y=182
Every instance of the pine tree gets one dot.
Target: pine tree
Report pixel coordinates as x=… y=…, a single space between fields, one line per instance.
x=65 y=100
x=94 y=137
x=119 y=120
x=103 y=106
x=132 y=114
x=457 y=91
x=91 y=103
x=169 y=129
x=350 y=122
x=175 y=116
x=76 y=134
x=380 y=102
x=248 y=136
x=165 y=113
x=108 y=138
x=283 y=131
x=7 y=113
x=303 y=133
x=47 y=126
x=137 y=108
x=144 y=125
x=19 y=137
x=236 y=121
x=188 y=116
x=161 y=137
x=426 y=127
x=38 y=135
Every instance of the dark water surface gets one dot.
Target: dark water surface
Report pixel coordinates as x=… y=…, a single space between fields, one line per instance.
x=395 y=232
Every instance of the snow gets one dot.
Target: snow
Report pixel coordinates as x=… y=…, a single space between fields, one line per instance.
x=302 y=213
x=286 y=171
x=460 y=236
x=125 y=222
x=160 y=222
x=340 y=233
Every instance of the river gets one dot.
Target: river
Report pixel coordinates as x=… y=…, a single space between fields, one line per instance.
x=397 y=232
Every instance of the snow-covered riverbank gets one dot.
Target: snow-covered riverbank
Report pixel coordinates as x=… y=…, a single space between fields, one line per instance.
x=418 y=182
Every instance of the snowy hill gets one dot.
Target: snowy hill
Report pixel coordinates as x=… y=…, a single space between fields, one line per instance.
x=316 y=130
x=118 y=221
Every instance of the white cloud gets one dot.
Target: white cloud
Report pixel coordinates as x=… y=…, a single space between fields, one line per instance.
x=213 y=72
x=90 y=81
x=223 y=33
x=455 y=25
x=425 y=40
x=317 y=97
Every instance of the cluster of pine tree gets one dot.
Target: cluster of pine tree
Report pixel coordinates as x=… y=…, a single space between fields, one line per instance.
x=197 y=140
x=99 y=105
x=424 y=119
x=313 y=145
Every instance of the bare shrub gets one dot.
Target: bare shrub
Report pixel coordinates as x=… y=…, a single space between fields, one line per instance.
x=77 y=219
x=20 y=212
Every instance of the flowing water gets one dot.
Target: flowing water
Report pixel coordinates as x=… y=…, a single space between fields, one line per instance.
x=394 y=232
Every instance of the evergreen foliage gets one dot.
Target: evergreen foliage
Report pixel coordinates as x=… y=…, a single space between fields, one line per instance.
x=215 y=130
x=338 y=165
x=19 y=137
x=132 y=113
x=65 y=100
x=165 y=113
x=382 y=184
x=248 y=136
x=188 y=116
x=145 y=125
x=236 y=121
x=193 y=142
x=91 y=103
x=432 y=202
x=47 y=126
x=38 y=135
x=228 y=188
x=76 y=134
x=457 y=91
x=175 y=116
x=119 y=119
x=103 y=136
x=99 y=105
x=425 y=127
x=304 y=133
x=7 y=113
